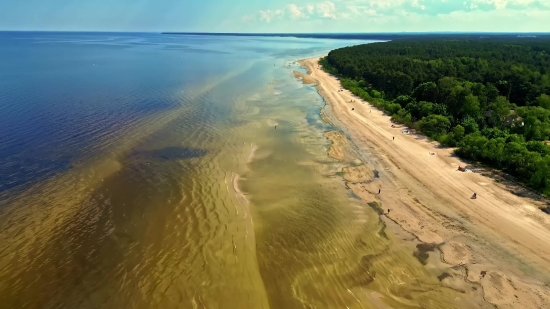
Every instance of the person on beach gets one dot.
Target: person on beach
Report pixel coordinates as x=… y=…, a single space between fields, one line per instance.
x=474 y=196
x=378 y=191
x=393 y=138
x=388 y=210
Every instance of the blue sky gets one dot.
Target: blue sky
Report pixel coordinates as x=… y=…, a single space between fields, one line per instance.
x=276 y=16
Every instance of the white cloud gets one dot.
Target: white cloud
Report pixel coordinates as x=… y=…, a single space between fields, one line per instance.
x=370 y=12
x=269 y=15
x=442 y=6
x=360 y=10
x=326 y=10
x=499 y=4
x=386 y=4
x=294 y=11
x=503 y=4
x=407 y=15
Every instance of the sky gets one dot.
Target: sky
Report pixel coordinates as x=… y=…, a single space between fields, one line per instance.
x=277 y=16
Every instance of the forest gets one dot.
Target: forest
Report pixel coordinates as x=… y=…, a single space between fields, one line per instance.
x=489 y=98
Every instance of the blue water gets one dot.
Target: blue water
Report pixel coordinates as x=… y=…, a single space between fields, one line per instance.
x=61 y=94
x=145 y=171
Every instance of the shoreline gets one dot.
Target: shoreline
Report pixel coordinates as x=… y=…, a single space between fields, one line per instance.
x=502 y=241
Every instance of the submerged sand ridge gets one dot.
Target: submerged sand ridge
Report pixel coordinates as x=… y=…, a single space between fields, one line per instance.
x=254 y=217
x=317 y=245
x=499 y=242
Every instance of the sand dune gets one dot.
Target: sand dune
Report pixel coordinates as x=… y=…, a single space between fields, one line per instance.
x=500 y=240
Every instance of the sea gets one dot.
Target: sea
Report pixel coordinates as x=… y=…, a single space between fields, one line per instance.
x=145 y=170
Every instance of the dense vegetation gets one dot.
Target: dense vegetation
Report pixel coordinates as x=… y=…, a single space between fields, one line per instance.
x=488 y=97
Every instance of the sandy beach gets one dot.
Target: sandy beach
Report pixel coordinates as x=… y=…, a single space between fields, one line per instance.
x=499 y=241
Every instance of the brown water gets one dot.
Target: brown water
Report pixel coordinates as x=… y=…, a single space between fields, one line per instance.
x=207 y=205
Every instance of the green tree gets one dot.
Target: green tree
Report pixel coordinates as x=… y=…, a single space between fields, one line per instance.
x=472 y=146
x=544 y=101
x=471 y=107
x=470 y=125
x=499 y=110
x=458 y=133
x=535 y=146
x=541 y=177
x=403 y=100
x=493 y=151
x=403 y=116
x=375 y=94
x=392 y=108
x=491 y=92
x=426 y=92
x=434 y=125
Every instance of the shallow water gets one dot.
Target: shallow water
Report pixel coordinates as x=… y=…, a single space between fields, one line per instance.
x=145 y=171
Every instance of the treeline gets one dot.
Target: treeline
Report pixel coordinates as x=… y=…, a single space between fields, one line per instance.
x=490 y=99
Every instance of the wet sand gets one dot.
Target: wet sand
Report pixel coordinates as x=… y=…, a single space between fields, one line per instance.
x=499 y=242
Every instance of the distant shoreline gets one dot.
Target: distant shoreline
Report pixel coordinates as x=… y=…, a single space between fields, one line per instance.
x=377 y=36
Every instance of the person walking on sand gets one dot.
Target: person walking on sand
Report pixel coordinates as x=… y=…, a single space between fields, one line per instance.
x=378 y=191
x=393 y=138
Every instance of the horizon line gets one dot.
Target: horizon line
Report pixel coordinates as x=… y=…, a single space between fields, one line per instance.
x=272 y=33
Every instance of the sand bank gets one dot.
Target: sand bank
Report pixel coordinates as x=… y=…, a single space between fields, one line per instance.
x=500 y=240
x=306 y=78
x=338 y=141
